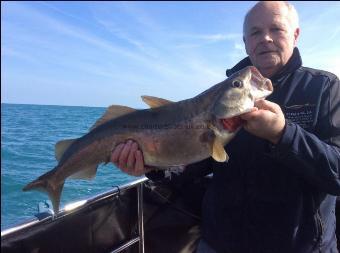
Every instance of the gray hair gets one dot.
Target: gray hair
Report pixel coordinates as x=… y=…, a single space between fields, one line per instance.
x=294 y=17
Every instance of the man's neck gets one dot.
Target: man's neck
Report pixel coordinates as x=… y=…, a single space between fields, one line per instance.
x=269 y=72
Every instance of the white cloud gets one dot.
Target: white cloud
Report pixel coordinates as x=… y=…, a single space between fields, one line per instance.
x=239 y=46
x=216 y=37
x=120 y=33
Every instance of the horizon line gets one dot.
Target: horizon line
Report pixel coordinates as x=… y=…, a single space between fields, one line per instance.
x=10 y=103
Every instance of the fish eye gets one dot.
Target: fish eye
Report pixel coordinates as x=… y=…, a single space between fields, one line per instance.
x=237 y=84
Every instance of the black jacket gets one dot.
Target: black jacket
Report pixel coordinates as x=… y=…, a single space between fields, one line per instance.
x=281 y=198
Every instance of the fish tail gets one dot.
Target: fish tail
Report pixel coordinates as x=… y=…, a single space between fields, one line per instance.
x=45 y=183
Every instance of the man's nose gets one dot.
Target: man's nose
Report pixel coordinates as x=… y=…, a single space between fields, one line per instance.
x=267 y=37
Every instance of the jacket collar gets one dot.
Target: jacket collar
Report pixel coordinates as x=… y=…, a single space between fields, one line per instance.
x=293 y=64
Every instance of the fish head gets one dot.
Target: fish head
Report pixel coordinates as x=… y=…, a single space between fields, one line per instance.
x=238 y=95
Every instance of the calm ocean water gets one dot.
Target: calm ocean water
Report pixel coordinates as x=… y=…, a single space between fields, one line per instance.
x=28 y=136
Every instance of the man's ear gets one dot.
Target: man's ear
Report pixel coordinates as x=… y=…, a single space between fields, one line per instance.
x=296 y=35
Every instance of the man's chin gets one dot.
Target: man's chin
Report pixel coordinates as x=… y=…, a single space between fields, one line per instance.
x=268 y=56
x=268 y=62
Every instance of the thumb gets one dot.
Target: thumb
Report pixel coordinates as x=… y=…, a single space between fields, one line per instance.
x=267 y=105
x=248 y=115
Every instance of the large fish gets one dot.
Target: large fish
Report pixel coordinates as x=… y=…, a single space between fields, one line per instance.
x=169 y=133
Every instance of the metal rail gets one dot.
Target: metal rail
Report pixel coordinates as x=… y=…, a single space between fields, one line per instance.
x=138 y=184
x=140 y=217
x=126 y=245
x=140 y=237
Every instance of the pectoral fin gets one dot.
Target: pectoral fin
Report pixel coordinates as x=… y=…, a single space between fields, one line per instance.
x=61 y=147
x=112 y=112
x=218 y=152
x=86 y=173
x=155 y=101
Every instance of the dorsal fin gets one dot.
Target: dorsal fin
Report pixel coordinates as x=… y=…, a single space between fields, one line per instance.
x=112 y=112
x=61 y=147
x=155 y=101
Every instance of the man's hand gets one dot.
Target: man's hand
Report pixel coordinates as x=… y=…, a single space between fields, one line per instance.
x=128 y=158
x=265 y=121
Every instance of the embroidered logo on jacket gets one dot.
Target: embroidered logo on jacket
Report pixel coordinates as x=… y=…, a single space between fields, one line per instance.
x=304 y=115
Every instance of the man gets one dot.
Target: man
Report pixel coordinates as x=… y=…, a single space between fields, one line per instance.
x=278 y=191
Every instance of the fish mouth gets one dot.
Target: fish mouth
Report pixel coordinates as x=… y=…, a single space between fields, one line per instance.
x=232 y=124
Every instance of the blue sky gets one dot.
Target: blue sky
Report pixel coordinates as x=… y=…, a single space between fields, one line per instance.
x=103 y=53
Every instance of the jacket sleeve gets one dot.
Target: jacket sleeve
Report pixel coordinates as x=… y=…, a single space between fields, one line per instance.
x=316 y=156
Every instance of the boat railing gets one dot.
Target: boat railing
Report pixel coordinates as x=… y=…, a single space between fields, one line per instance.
x=83 y=204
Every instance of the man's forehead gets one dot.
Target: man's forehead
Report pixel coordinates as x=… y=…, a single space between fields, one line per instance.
x=263 y=17
x=275 y=20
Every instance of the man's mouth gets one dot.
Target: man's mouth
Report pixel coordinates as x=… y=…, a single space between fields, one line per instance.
x=267 y=52
x=233 y=123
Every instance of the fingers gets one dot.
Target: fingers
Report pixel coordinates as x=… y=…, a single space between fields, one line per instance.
x=122 y=162
x=128 y=158
x=139 y=166
x=131 y=157
x=260 y=107
x=267 y=122
x=116 y=152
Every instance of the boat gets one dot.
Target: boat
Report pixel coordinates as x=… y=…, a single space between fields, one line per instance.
x=141 y=216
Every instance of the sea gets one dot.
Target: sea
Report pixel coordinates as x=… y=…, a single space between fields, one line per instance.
x=28 y=137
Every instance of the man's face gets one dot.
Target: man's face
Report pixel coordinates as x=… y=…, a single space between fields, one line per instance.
x=269 y=37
